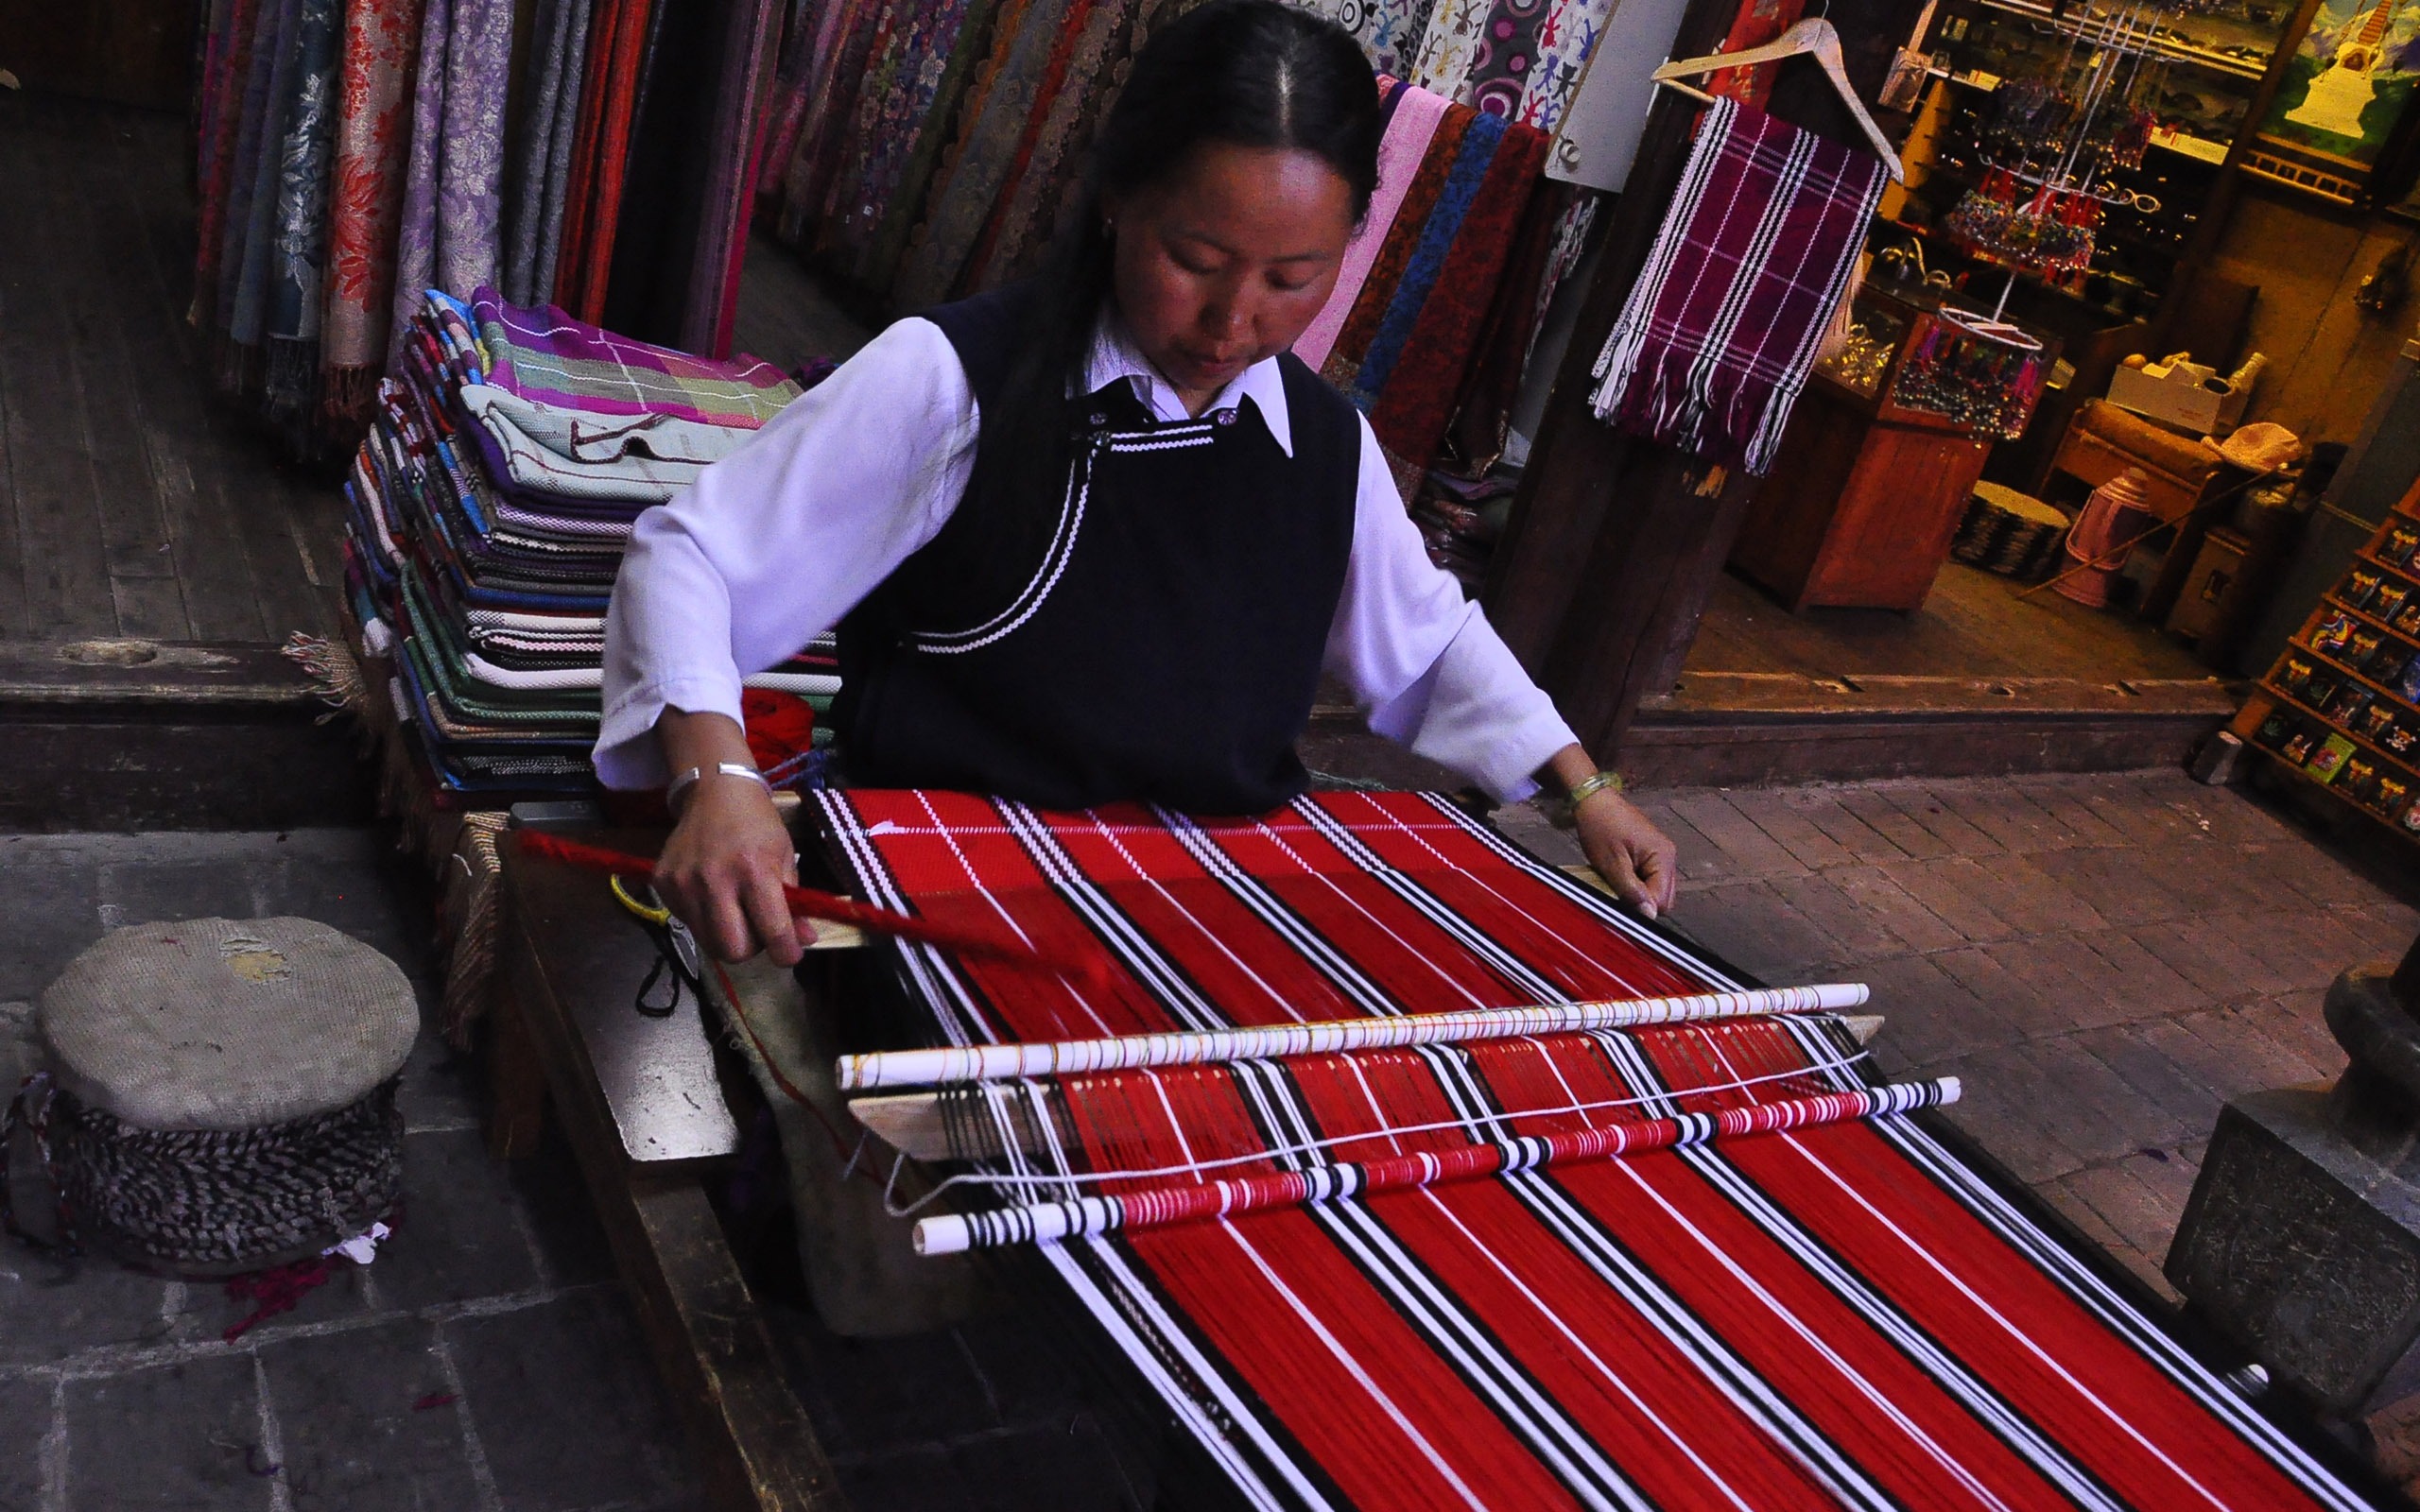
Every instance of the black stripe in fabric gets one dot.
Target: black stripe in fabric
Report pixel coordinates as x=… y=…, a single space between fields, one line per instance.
x=1289 y=926
x=1685 y=956
x=1840 y=1275
x=1285 y=1472
x=1970 y=1191
x=929 y=972
x=1168 y=983
x=1560 y=1214
x=1467 y=1347
x=1511 y=967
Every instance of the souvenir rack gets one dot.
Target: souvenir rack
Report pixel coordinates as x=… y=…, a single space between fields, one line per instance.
x=2340 y=709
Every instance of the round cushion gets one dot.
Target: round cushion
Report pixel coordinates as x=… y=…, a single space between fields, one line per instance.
x=226 y=1023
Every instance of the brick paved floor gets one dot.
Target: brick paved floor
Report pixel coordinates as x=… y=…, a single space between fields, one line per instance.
x=2102 y=960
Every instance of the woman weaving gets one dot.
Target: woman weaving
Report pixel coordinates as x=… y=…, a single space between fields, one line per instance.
x=1096 y=537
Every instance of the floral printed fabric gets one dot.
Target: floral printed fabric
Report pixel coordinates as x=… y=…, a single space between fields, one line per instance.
x=478 y=61
x=450 y=236
x=372 y=151
x=300 y=251
x=1521 y=58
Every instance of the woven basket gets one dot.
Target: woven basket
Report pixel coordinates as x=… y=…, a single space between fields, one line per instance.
x=218 y=1095
x=2009 y=533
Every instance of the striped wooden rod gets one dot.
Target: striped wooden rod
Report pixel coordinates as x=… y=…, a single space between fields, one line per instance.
x=946 y=1064
x=1159 y=1207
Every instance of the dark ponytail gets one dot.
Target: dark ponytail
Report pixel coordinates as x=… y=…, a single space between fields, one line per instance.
x=1245 y=73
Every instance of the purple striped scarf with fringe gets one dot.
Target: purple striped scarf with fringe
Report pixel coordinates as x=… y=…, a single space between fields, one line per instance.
x=1716 y=339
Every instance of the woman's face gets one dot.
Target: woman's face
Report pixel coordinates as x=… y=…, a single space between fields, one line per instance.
x=1225 y=261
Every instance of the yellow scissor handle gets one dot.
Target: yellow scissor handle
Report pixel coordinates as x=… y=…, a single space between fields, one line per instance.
x=655 y=913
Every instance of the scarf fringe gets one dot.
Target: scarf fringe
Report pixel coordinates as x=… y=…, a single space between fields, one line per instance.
x=348 y=398
x=336 y=677
x=470 y=907
x=239 y=367
x=290 y=381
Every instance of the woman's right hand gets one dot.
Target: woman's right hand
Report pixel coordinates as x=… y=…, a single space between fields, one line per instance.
x=722 y=872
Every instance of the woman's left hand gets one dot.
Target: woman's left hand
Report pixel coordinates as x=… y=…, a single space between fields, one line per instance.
x=1629 y=851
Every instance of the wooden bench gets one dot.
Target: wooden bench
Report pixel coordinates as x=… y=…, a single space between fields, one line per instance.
x=639 y=1101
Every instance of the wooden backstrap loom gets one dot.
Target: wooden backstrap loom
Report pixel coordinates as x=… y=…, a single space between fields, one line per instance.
x=1628 y=1261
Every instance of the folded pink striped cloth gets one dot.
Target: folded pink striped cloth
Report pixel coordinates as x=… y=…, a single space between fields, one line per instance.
x=544 y=356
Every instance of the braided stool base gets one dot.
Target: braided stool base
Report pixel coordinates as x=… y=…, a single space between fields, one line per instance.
x=209 y=1202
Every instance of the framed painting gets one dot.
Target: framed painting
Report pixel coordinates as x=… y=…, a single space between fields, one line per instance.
x=2343 y=104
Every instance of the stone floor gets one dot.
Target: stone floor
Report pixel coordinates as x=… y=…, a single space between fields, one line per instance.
x=2102 y=959
x=487 y=1360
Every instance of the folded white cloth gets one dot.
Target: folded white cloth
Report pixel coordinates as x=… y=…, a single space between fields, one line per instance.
x=579 y=435
x=634 y=477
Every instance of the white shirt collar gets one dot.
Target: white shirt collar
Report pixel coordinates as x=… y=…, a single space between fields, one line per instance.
x=1114 y=356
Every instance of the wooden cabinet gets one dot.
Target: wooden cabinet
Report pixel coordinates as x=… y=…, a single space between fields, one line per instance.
x=1858 y=509
x=1884 y=451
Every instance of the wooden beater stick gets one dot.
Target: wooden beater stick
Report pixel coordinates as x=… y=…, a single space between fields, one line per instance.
x=947 y=1064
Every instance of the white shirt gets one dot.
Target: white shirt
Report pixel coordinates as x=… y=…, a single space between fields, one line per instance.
x=771 y=546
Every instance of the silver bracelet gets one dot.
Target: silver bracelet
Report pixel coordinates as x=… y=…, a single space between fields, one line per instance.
x=687 y=779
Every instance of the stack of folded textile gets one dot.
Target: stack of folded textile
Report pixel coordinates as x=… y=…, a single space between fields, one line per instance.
x=488 y=511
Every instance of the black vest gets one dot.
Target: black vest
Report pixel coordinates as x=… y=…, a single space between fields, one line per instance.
x=1160 y=640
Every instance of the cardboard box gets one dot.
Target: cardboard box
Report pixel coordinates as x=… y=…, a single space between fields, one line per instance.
x=2179 y=395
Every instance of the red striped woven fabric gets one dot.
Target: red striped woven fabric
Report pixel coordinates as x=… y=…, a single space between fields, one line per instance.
x=1846 y=1314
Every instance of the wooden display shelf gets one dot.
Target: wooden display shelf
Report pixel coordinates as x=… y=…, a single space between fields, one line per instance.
x=2303 y=775
x=2401 y=763
x=2272 y=695
x=2382 y=627
x=2339 y=664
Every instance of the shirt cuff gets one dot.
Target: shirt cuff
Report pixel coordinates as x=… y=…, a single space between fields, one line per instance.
x=628 y=755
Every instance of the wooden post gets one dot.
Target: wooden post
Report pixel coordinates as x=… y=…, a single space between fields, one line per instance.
x=1613 y=543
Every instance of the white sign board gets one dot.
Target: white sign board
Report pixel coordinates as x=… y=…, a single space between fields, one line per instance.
x=1608 y=113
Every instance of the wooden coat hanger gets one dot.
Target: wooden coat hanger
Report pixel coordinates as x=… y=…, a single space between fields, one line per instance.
x=1813 y=38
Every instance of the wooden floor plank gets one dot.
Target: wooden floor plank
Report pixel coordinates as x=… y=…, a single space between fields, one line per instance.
x=1974 y=624
x=206 y=475
x=151 y=609
x=97 y=281
x=217 y=475
x=298 y=515
x=67 y=583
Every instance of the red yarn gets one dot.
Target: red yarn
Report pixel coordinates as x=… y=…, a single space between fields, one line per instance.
x=781 y=725
x=276 y=1290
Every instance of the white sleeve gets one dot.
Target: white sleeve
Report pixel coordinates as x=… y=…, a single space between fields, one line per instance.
x=772 y=545
x=1424 y=665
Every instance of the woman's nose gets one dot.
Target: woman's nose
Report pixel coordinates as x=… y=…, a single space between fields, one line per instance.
x=1226 y=313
